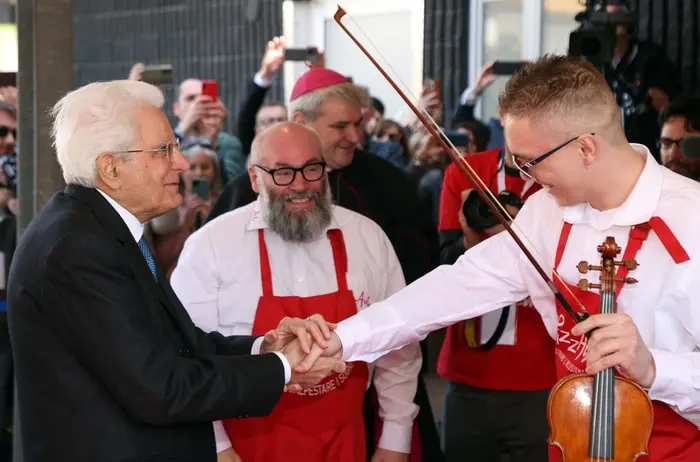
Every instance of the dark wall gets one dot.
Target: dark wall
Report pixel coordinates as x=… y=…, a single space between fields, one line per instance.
x=210 y=39
x=446 y=53
x=675 y=24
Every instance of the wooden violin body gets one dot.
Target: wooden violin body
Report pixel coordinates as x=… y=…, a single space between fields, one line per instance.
x=569 y=412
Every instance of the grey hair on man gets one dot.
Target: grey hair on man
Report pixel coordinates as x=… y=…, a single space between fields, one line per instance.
x=93 y=120
x=310 y=103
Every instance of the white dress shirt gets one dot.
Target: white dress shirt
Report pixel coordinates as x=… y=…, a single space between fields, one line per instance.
x=665 y=304
x=218 y=280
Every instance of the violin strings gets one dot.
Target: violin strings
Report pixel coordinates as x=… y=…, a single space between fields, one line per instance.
x=460 y=159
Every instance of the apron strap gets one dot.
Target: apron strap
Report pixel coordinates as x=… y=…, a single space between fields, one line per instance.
x=563 y=239
x=265 y=271
x=668 y=239
x=340 y=257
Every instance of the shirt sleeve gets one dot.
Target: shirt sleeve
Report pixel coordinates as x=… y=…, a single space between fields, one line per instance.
x=677 y=380
x=396 y=374
x=222 y=441
x=195 y=280
x=487 y=277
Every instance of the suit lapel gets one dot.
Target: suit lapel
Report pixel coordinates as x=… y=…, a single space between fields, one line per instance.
x=113 y=223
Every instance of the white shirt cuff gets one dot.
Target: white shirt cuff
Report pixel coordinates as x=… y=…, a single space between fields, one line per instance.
x=222 y=441
x=287 y=367
x=396 y=437
x=256 y=346
x=255 y=350
x=468 y=96
x=673 y=383
x=261 y=81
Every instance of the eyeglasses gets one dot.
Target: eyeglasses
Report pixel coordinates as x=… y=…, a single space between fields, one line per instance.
x=284 y=176
x=525 y=167
x=5 y=130
x=667 y=143
x=168 y=148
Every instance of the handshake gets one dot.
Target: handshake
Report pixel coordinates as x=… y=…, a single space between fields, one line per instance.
x=311 y=347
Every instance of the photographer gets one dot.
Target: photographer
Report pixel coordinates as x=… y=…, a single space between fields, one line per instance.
x=642 y=78
x=499 y=366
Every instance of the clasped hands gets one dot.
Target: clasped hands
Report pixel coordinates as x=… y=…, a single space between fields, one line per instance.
x=310 y=346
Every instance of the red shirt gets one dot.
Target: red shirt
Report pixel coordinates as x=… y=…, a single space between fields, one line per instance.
x=527 y=365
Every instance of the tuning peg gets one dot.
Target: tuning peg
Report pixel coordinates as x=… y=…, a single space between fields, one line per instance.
x=584 y=285
x=626 y=280
x=584 y=267
x=629 y=264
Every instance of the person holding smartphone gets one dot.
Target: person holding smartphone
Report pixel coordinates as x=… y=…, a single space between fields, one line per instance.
x=201 y=186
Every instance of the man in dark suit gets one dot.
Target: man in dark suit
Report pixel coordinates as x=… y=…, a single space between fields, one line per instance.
x=109 y=365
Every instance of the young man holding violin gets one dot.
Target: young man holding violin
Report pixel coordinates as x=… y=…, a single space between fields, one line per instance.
x=563 y=128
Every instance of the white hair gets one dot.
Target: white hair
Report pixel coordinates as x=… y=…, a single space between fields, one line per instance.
x=98 y=118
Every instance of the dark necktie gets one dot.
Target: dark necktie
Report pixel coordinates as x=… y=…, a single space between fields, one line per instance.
x=146 y=251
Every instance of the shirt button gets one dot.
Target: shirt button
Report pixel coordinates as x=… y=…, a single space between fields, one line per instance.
x=300 y=278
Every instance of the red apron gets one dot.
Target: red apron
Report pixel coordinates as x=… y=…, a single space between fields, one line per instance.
x=324 y=422
x=673 y=438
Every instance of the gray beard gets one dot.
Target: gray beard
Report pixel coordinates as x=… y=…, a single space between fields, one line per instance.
x=300 y=226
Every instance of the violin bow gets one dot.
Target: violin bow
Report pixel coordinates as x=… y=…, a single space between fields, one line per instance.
x=489 y=198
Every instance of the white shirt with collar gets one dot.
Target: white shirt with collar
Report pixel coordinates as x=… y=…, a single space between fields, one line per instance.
x=664 y=304
x=218 y=280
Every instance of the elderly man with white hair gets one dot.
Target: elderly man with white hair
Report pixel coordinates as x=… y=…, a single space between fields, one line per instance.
x=109 y=365
x=293 y=253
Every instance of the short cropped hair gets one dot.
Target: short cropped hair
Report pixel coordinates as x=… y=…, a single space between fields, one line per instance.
x=310 y=103
x=686 y=106
x=98 y=118
x=256 y=148
x=555 y=89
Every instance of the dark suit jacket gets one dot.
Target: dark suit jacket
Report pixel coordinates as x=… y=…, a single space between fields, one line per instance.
x=109 y=365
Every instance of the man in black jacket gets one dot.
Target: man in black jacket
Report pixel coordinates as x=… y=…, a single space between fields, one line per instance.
x=109 y=365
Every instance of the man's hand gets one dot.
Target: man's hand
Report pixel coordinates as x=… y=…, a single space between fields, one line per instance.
x=229 y=455
x=136 y=72
x=309 y=331
x=212 y=124
x=333 y=349
x=485 y=78
x=659 y=99
x=385 y=455
x=273 y=58
x=202 y=108
x=616 y=342
x=320 y=369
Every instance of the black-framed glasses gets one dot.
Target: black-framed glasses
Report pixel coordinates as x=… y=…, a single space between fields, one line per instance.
x=525 y=167
x=5 y=130
x=169 y=148
x=284 y=176
x=667 y=143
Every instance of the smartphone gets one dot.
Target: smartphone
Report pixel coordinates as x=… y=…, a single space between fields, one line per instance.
x=432 y=86
x=158 y=74
x=210 y=88
x=200 y=187
x=507 y=67
x=459 y=139
x=301 y=54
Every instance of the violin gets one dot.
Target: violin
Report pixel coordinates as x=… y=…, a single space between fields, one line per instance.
x=616 y=411
x=579 y=401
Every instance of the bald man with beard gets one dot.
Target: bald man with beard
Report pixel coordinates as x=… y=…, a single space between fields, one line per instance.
x=293 y=253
